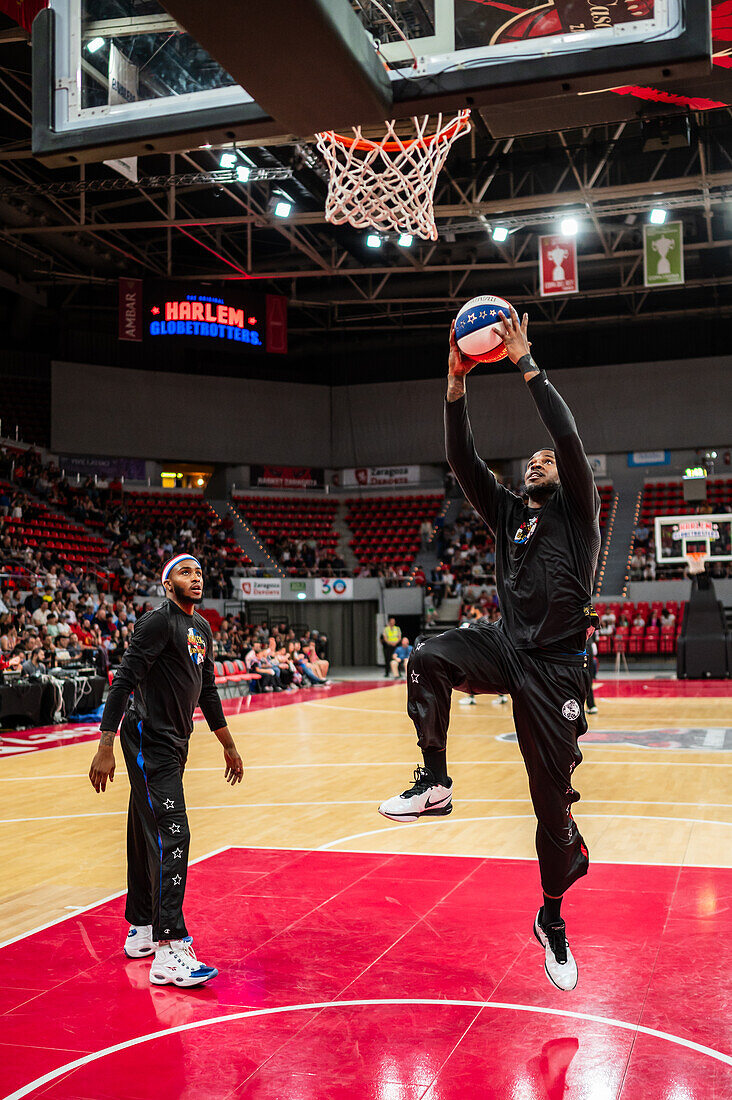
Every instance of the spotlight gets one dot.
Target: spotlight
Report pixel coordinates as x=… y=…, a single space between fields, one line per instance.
x=373 y=240
x=405 y=240
x=94 y=44
x=283 y=208
x=228 y=159
x=500 y=234
x=658 y=215
x=570 y=227
x=301 y=596
x=243 y=172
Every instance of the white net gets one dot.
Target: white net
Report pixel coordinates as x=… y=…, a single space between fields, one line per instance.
x=696 y=562
x=389 y=184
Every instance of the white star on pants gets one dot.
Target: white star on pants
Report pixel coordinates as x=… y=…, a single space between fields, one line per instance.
x=415 y=677
x=177 y=853
x=169 y=803
x=175 y=828
x=177 y=880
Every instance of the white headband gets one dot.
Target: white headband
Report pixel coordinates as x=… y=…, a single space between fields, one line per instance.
x=176 y=561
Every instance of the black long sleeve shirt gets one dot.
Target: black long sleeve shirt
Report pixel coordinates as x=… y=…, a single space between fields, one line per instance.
x=545 y=557
x=169 y=666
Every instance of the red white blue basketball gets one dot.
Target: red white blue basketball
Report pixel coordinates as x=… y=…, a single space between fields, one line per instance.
x=475 y=328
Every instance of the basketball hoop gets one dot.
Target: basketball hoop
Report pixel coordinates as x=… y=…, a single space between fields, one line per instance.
x=696 y=561
x=388 y=183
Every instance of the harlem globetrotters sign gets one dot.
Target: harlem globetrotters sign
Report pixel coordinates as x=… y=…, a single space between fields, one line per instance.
x=194 y=314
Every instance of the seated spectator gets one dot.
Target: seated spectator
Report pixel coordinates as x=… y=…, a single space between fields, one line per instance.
x=639 y=622
x=34 y=665
x=318 y=664
x=255 y=664
x=402 y=653
x=667 y=617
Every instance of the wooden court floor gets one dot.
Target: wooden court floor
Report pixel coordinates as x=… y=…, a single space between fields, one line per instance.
x=315 y=772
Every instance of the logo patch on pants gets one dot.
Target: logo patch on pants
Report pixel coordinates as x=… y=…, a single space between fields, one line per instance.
x=571 y=709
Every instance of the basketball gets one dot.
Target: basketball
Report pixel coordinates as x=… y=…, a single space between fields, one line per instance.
x=475 y=328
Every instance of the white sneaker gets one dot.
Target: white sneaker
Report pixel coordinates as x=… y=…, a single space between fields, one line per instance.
x=175 y=963
x=426 y=798
x=139 y=943
x=559 y=963
x=502 y=699
x=468 y=701
x=592 y=710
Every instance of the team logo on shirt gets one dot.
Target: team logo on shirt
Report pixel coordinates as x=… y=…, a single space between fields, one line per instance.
x=526 y=530
x=196 y=645
x=571 y=710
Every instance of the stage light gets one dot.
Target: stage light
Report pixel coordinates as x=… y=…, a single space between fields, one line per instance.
x=500 y=234
x=283 y=208
x=405 y=240
x=301 y=596
x=570 y=227
x=373 y=240
x=243 y=172
x=658 y=215
x=228 y=159
x=94 y=44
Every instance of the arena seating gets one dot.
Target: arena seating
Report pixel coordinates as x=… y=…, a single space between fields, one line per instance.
x=287 y=518
x=644 y=640
x=228 y=674
x=666 y=498
x=149 y=509
x=607 y=495
x=42 y=529
x=386 y=529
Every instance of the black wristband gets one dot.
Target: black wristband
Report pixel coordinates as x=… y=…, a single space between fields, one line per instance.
x=526 y=364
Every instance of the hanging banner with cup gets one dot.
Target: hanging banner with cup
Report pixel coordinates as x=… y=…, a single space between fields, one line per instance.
x=557 y=265
x=663 y=254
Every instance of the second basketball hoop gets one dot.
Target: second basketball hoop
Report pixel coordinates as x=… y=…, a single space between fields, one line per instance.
x=387 y=183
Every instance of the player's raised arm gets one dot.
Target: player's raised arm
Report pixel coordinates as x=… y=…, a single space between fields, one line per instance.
x=475 y=479
x=575 y=472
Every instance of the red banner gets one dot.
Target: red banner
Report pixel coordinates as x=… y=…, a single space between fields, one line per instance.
x=276 y=324
x=130 y=309
x=557 y=265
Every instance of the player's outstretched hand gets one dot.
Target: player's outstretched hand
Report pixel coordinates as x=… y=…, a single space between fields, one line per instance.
x=514 y=334
x=234 y=766
x=459 y=364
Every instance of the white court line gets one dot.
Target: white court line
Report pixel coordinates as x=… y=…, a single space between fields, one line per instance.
x=373 y=802
x=196 y=1025
x=100 y=901
x=530 y=817
x=488 y=763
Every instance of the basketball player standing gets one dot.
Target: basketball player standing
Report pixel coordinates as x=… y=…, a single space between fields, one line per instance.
x=169 y=667
x=547 y=544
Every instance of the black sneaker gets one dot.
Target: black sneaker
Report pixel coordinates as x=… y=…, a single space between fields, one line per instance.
x=425 y=798
x=559 y=963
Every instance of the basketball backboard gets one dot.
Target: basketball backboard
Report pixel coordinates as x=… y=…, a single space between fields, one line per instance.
x=284 y=69
x=678 y=536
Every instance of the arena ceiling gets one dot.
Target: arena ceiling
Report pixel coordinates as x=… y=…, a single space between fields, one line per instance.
x=67 y=234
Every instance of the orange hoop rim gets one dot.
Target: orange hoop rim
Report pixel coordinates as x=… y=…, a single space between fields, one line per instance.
x=365 y=145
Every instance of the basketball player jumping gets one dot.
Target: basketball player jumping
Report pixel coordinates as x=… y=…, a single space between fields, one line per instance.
x=169 y=667
x=547 y=543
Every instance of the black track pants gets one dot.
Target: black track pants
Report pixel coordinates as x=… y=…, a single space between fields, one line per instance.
x=157 y=832
x=548 y=711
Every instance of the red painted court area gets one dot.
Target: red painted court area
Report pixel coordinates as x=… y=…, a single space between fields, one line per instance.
x=366 y=975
